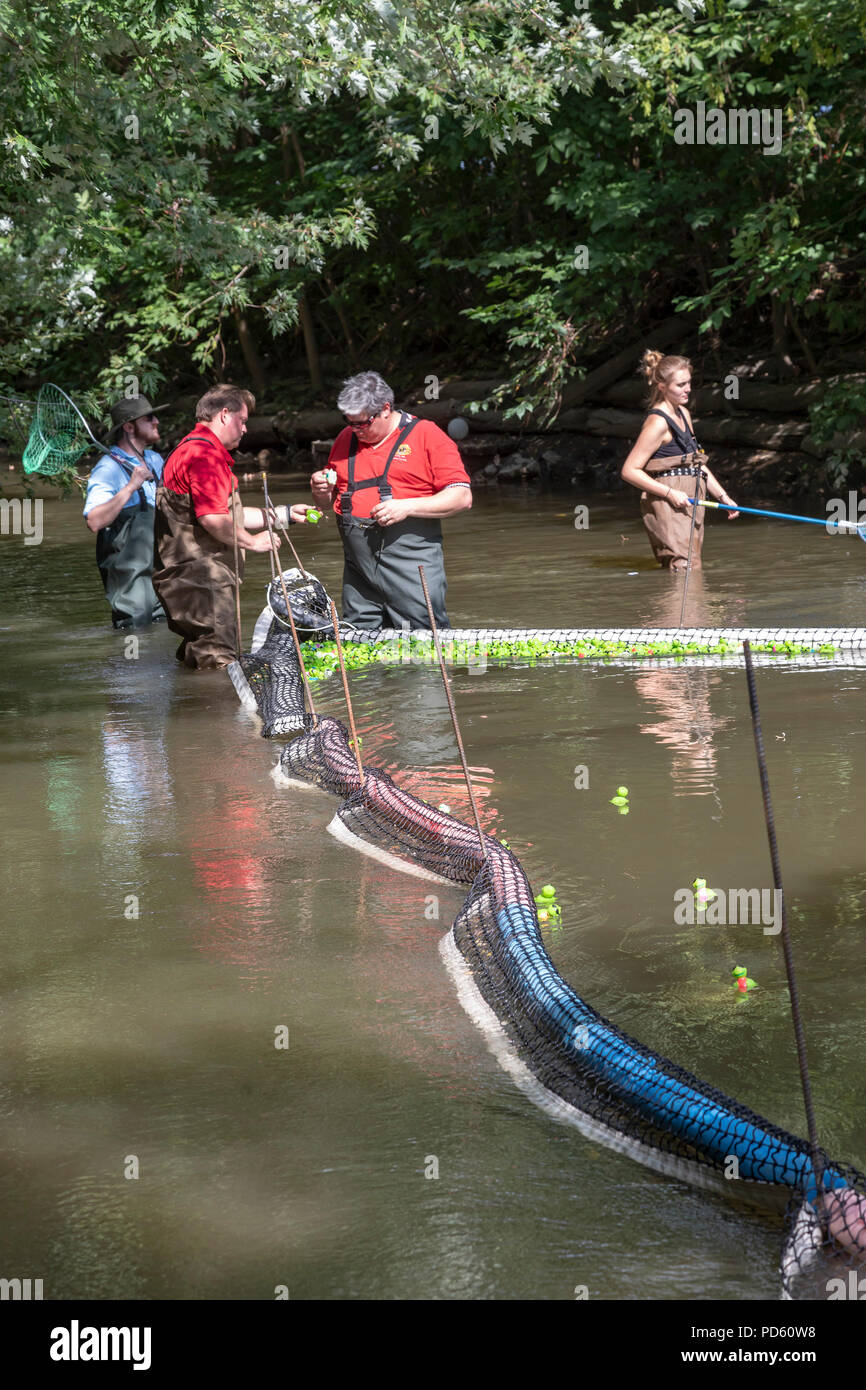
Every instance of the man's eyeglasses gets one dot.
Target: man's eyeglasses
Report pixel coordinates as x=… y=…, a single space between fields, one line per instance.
x=362 y=424
x=149 y=419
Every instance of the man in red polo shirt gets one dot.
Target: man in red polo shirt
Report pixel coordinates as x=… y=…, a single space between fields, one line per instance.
x=396 y=477
x=194 y=573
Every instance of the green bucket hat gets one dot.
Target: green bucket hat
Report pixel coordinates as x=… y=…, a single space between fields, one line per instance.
x=131 y=408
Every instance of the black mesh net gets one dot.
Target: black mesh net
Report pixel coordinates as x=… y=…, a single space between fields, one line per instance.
x=569 y=1057
x=274 y=676
x=824 y=1255
x=309 y=603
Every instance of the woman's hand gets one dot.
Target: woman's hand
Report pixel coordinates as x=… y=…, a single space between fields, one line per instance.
x=680 y=500
x=729 y=501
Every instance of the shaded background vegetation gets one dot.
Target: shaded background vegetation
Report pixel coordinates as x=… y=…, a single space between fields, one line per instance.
x=285 y=192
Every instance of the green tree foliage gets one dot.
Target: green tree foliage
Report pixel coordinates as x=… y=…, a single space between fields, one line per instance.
x=757 y=246
x=145 y=147
x=462 y=181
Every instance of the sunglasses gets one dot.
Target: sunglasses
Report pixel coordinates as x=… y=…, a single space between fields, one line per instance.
x=362 y=424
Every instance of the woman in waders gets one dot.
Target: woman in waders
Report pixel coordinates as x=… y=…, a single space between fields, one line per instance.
x=669 y=466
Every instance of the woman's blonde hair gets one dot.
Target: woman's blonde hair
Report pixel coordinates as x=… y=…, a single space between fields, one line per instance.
x=658 y=371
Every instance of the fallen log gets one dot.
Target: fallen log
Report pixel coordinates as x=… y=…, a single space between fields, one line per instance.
x=314 y=424
x=669 y=331
x=267 y=432
x=764 y=434
x=457 y=390
x=789 y=398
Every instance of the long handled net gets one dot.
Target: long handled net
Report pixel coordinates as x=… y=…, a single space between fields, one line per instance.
x=59 y=434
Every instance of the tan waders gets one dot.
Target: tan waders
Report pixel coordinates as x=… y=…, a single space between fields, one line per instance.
x=667 y=528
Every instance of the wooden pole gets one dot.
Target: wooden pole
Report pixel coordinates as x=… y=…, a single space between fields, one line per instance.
x=450 y=699
x=290 y=615
x=235 y=495
x=346 y=693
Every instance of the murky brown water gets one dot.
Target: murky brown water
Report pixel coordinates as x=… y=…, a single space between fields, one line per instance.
x=151 y=1038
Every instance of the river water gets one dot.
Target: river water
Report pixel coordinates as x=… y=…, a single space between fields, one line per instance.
x=171 y=916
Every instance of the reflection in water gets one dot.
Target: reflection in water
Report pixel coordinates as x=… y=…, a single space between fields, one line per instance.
x=685 y=725
x=135 y=765
x=63 y=797
x=418 y=728
x=706 y=606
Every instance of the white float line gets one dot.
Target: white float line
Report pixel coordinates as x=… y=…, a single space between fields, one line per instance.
x=242 y=686
x=281 y=779
x=347 y=837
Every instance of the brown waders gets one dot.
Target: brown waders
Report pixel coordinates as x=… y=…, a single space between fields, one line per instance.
x=195 y=580
x=667 y=528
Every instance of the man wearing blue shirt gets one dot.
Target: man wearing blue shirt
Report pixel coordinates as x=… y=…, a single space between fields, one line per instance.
x=119 y=508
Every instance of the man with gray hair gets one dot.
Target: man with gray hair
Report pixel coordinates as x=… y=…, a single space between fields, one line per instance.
x=390 y=479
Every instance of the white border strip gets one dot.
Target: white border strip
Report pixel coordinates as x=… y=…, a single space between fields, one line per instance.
x=346 y=836
x=242 y=686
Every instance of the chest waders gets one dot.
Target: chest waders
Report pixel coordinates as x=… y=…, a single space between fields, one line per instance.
x=381 y=584
x=124 y=554
x=194 y=577
x=676 y=538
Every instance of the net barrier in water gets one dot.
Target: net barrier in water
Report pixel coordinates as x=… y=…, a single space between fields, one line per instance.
x=565 y=1055
x=458 y=644
x=840 y=638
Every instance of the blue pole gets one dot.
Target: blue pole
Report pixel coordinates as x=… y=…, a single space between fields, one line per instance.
x=787 y=516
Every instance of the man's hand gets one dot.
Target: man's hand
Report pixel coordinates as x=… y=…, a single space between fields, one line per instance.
x=394 y=510
x=262 y=542
x=140 y=474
